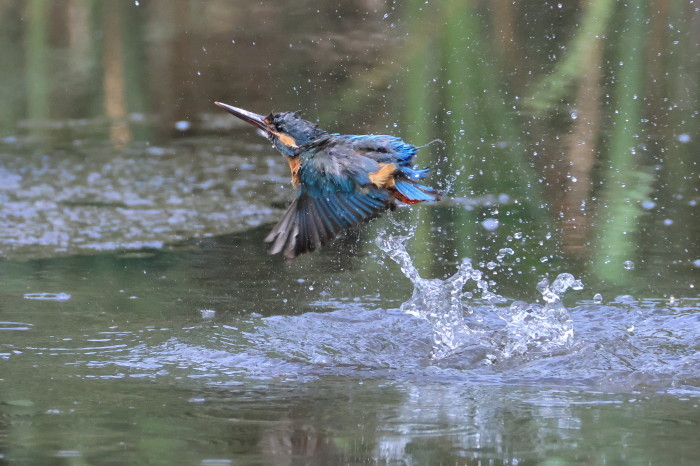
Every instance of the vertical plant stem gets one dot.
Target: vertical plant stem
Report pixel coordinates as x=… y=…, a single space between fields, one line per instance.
x=37 y=73
x=114 y=76
x=626 y=184
x=419 y=114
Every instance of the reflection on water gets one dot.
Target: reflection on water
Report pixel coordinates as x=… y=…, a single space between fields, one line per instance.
x=568 y=154
x=324 y=367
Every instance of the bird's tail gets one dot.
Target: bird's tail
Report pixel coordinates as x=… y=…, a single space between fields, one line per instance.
x=411 y=192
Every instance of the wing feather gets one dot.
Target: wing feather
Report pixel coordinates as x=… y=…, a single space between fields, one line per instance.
x=310 y=221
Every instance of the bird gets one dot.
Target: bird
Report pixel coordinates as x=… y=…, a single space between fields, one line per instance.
x=341 y=180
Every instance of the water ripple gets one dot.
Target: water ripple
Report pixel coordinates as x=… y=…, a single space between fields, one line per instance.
x=48 y=296
x=21 y=326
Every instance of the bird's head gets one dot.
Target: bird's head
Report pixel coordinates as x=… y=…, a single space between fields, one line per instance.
x=286 y=130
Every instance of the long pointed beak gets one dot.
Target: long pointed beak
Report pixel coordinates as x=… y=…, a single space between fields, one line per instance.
x=249 y=117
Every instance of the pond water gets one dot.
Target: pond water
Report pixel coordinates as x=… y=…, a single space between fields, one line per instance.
x=211 y=350
x=546 y=311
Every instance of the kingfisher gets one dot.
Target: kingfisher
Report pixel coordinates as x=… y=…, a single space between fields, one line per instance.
x=341 y=180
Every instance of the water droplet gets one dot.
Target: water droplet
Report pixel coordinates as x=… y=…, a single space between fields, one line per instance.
x=562 y=283
x=598 y=298
x=517 y=235
x=503 y=252
x=491 y=265
x=182 y=125
x=648 y=204
x=668 y=222
x=490 y=224
x=684 y=138
x=207 y=313
x=629 y=265
x=544 y=259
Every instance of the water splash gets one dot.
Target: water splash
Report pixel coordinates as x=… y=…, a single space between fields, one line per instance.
x=541 y=328
x=529 y=328
x=437 y=301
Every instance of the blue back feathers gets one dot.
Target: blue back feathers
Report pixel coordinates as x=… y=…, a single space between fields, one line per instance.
x=383 y=148
x=342 y=180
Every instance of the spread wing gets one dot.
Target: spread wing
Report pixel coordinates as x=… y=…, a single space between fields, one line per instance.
x=313 y=220
x=334 y=194
x=344 y=181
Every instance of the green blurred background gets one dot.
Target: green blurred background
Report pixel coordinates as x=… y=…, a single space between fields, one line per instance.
x=582 y=116
x=566 y=131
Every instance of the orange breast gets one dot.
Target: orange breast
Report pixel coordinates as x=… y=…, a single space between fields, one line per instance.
x=294 y=165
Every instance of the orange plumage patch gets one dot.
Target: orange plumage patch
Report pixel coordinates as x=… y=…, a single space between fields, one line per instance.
x=294 y=165
x=286 y=139
x=404 y=199
x=384 y=177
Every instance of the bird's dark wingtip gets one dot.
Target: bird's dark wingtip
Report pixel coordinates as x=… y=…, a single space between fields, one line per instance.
x=311 y=222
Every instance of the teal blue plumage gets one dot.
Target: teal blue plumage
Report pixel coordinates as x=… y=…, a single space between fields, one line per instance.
x=341 y=180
